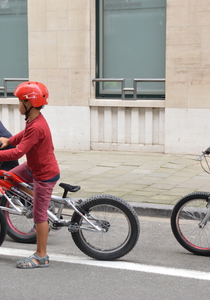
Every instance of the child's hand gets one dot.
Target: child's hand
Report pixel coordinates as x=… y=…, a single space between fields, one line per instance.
x=3 y=142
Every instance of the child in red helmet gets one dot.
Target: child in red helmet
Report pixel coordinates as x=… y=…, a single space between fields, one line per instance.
x=41 y=168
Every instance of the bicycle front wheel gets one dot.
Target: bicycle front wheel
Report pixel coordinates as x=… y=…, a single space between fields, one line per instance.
x=190 y=223
x=3 y=227
x=120 y=226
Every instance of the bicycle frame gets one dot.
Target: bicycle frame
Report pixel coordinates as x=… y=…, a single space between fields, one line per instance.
x=56 y=220
x=68 y=201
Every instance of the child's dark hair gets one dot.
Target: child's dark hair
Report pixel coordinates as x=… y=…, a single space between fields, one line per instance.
x=39 y=108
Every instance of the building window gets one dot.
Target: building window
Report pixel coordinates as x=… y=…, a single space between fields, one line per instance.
x=130 y=43
x=14 y=41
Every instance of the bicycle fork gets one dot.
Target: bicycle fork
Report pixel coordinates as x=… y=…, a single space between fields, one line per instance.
x=203 y=223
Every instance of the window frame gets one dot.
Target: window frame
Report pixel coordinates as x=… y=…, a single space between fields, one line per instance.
x=99 y=54
x=17 y=69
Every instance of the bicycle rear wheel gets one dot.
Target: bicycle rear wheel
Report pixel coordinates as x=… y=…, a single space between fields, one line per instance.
x=190 y=223
x=3 y=227
x=120 y=226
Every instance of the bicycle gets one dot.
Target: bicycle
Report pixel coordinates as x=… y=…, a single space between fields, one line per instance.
x=103 y=227
x=190 y=218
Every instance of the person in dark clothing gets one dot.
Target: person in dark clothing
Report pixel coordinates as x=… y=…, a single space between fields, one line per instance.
x=7 y=165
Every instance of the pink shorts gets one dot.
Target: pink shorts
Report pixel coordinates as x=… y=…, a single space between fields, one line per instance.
x=42 y=192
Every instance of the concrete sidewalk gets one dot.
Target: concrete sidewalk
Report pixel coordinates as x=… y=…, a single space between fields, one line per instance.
x=151 y=182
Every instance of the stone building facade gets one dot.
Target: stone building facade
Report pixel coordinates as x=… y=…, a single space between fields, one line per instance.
x=61 y=54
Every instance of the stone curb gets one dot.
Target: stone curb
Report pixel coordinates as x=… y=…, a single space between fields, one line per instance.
x=152 y=210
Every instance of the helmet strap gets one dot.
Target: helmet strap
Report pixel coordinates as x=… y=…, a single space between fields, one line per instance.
x=27 y=111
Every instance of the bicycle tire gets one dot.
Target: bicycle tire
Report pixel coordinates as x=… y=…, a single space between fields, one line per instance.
x=117 y=215
x=186 y=225
x=19 y=227
x=3 y=227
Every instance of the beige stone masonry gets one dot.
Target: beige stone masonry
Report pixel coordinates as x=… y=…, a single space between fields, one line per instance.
x=59 y=49
x=77 y=55
x=188 y=54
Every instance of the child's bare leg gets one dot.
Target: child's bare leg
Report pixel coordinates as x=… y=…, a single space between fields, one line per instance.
x=42 y=230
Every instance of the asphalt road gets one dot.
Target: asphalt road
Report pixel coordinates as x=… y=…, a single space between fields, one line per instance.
x=157 y=268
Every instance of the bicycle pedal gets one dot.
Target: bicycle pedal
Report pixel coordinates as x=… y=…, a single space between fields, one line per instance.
x=73 y=227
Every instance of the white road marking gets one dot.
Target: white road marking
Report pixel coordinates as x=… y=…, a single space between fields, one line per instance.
x=113 y=264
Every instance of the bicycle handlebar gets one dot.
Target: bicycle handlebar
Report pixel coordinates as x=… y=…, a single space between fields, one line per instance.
x=206 y=152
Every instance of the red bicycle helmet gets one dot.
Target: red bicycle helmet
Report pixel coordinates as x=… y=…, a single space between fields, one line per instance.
x=35 y=92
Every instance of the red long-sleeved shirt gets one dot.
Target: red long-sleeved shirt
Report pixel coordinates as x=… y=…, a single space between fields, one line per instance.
x=36 y=143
